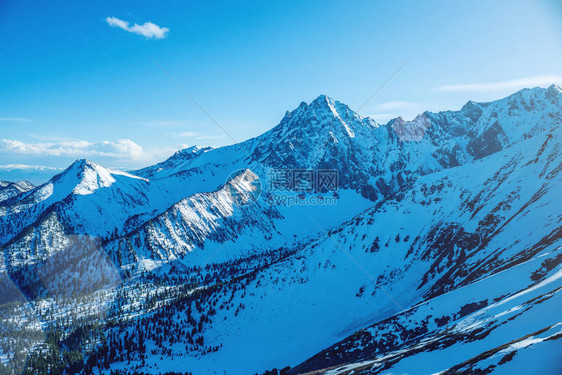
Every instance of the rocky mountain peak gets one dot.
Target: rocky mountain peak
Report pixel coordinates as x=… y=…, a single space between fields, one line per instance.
x=190 y=152
x=321 y=118
x=411 y=130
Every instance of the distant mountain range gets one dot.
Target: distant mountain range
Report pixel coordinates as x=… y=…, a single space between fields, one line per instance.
x=437 y=250
x=11 y=189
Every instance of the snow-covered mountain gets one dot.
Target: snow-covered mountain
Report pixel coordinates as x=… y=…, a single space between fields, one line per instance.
x=178 y=162
x=373 y=160
x=434 y=244
x=11 y=189
x=440 y=230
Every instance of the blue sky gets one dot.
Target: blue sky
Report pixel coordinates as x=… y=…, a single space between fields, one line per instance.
x=74 y=85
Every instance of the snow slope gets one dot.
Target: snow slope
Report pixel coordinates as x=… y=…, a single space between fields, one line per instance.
x=491 y=325
x=442 y=232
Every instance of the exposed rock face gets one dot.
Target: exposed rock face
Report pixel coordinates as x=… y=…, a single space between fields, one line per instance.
x=411 y=130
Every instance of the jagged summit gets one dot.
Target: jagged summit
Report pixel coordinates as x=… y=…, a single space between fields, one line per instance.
x=178 y=161
x=313 y=134
x=84 y=166
x=191 y=151
x=323 y=100
x=411 y=130
x=553 y=90
x=81 y=164
x=324 y=105
x=76 y=171
x=323 y=117
x=92 y=177
x=528 y=97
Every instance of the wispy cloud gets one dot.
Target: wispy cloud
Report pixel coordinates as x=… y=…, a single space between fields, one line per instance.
x=210 y=137
x=123 y=151
x=386 y=111
x=15 y=119
x=123 y=148
x=36 y=174
x=15 y=167
x=188 y=134
x=148 y=29
x=518 y=83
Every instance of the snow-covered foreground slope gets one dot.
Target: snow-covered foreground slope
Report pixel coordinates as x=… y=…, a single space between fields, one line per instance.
x=517 y=314
x=442 y=232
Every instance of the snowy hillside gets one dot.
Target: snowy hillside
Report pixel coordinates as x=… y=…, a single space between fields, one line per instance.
x=437 y=250
x=509 y=323
x=444 y=232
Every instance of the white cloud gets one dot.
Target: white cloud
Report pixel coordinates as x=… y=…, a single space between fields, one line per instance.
x=13 y=167
x=148 y=29
x=519 y=83
x=116 y=22
x=123 y=148
x=123 y=151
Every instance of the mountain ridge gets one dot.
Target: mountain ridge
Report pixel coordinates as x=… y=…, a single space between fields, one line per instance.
x=10 y=189
x=375 y=161
x=419 y=244
x=180 y=266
